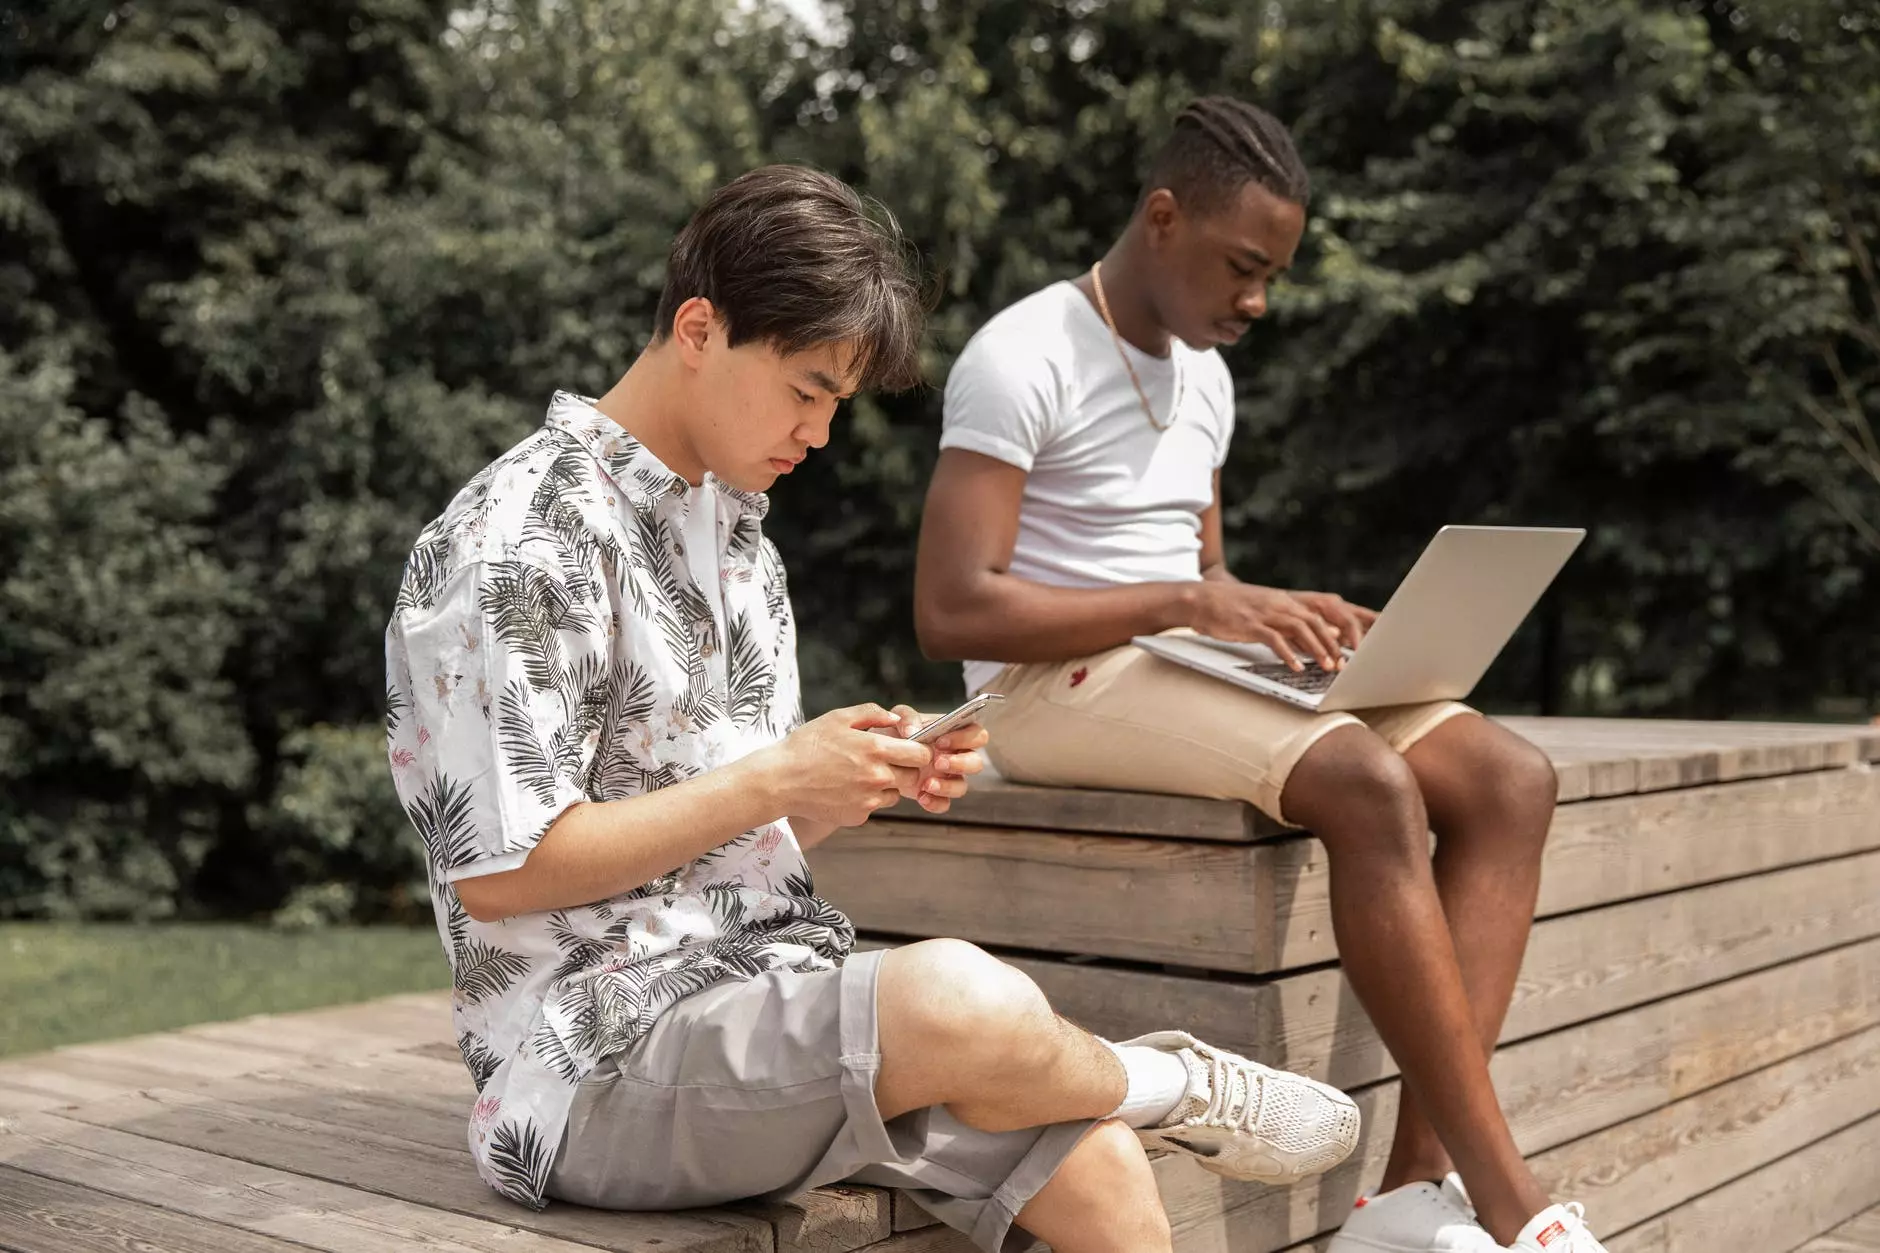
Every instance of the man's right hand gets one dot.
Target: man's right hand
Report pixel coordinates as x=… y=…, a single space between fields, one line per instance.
x=832 y=769
x=1246 y=613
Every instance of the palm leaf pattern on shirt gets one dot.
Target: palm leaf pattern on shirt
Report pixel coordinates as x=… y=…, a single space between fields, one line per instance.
x=528 y=609
x=520 y=1159
x=426 y=571
x=479 y=1059
x=579 y=951
x=442 y=814
x=748 y=674
x=516 y=732
x=484 y=970
x=394 y=709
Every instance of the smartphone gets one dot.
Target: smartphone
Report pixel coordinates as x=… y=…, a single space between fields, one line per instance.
x=965 y=715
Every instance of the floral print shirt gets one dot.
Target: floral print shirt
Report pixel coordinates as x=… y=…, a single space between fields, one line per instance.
x=558 y=638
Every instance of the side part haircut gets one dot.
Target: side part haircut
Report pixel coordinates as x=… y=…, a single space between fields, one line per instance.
x=793 y=258
x=1218 y=145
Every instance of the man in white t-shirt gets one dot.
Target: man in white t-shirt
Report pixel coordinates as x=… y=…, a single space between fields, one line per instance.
x=1077 y=503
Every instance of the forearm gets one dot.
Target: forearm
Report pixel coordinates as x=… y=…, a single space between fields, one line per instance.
x=1006 y=618
x=601 y=849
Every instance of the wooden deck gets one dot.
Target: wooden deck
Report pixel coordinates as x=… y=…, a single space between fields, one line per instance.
x=1694 y=1049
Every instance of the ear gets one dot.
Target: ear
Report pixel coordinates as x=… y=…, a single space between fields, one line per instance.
x=693 y=328
x=1161 y=217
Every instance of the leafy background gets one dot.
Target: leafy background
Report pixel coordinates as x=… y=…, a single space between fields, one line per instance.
x=276 y=278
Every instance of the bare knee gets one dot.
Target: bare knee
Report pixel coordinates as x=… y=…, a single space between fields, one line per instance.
x=1358 y=795
x=964 y=999
x=1102 y=1198
x=1498 y=793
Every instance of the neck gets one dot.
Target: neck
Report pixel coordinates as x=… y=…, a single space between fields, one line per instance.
x=1126 y=287
x=648 y=403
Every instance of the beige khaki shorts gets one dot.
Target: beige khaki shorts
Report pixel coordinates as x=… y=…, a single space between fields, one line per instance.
x=1131 y=722
x=763 y=1088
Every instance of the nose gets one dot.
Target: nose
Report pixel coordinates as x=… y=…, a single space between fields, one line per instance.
x=1252 y=302
x=815 y=433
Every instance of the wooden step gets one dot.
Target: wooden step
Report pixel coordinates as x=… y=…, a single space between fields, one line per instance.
x=1593 y=757
x=1578 y=966
x=1265 y=906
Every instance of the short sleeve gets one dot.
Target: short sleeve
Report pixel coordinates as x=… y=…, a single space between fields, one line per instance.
x=1222 y=388
x=506 y=678
x=1002 y=398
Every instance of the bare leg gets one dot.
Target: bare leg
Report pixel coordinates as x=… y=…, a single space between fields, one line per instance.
x=1360 y=798
x=1103 y=1199
x=961 y=1028
x=1490 y=796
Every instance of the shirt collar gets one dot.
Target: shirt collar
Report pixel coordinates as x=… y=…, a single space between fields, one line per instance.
x=627 y=460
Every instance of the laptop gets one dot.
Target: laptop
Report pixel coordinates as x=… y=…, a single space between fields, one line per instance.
x=1442 y=628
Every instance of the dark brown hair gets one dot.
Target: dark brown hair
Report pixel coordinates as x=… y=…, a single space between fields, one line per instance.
x=1218 y=145
x=793 y=258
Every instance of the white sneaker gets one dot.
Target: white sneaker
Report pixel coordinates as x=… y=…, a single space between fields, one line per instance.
x=1455 y=1191
x=1416 y=1218
x=1247 y=1121
x=1557 y=1229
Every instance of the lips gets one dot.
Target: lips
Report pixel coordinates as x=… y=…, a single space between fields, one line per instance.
x=783 y=465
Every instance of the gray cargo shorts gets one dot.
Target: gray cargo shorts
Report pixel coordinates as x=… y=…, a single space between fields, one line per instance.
x=764 y=1088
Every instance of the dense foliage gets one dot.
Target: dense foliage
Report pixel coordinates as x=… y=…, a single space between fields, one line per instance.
x=275 y=278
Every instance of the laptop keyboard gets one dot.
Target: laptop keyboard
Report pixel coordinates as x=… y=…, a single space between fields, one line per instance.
x=1312 y=679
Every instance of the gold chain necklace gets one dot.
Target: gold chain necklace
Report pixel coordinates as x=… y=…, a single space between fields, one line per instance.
x=1148 y=410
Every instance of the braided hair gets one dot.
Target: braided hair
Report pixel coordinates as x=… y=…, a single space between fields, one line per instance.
x=1220 y=143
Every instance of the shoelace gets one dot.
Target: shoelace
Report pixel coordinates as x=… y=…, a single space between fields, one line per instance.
x=1579 y=1238
x=1221 y=1074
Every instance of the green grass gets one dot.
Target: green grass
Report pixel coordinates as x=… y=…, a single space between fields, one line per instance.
x=62 y=983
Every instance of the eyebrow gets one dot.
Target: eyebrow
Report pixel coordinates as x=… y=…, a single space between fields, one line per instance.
x=825 y=382
x=1255 y=253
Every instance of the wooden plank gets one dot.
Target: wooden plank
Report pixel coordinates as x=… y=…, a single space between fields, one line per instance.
x=408 y=1170
x=998 y=802
x=1191 y=903
x=1669 y=753
x=829 y=1220
x=1578 y=966
x=1594 y=757
x=1648 y=1164
x=310 y=1212
x=1558 y=1088
x=1777 y=1207
x=1859 y=1234
x=1264 y=907
x=45 y=1216
x=908 y=1215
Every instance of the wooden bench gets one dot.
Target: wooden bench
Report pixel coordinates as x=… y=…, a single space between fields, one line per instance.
x=1694 y=1047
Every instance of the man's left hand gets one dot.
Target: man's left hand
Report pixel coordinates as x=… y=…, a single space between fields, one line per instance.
x=955 y=756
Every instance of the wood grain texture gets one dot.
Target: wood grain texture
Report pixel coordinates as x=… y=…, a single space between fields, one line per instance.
x=1561 y=1087
x=46 y=1216
x=1593 y=757
x=1578 y=966
x=310 y=1212
x=391 y=1165
x=1778 y=1207
x=1859 y=1234
x=1258 y=908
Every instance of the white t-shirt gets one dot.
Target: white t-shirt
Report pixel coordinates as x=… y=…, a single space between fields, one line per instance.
x=1109 y=499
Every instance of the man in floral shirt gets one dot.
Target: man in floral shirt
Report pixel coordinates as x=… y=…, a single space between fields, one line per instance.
x=592 y=711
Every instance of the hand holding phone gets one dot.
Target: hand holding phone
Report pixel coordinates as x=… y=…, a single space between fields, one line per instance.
x=965 y=715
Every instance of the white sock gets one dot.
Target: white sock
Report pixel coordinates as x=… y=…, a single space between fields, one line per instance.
x=1157 y=1083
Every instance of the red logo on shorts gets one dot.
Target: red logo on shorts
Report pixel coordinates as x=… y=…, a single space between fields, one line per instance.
x=1079 y=675
x=1553 y=1233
